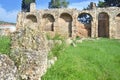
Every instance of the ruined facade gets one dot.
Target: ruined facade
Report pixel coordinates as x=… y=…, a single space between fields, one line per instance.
x=105 y=22
x=29 y=46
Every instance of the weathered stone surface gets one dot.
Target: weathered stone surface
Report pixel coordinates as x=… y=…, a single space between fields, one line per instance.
x=65 y=22
x=69 y=41
x=32 y=7
x=29 y=51
x=81 y=30
x=52 y=62
x=79 y=41
x=31 y=64
x=50 y=44
x=29 y=46
x=8 y=71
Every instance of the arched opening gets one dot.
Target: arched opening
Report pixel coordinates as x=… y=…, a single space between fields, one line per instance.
x=118 y=25
x=103 y=25
x=67 y=24
x=48 y=21
x=86 y=19
x=32 y=18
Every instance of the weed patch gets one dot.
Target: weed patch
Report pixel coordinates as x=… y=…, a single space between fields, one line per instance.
x=5 y=45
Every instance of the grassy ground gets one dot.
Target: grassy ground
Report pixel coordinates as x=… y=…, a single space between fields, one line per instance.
x=4 y=45
x=90 y=60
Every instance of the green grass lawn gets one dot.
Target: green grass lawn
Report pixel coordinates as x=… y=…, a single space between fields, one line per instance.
x=90 y=60
x=4 y=45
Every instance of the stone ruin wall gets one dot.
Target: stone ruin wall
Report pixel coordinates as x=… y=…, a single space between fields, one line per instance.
x=29 y=49
x=105 y=22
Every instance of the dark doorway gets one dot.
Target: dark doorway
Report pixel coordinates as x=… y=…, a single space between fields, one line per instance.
x=103 y=25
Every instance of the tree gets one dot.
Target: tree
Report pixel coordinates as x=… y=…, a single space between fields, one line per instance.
x=54 y=4
x=90 y=6
x=64 y=4
x=85 y=18
x=58 y=4
x=101 y=4
x=112 y=3
x=109 y=3
x=26 y=5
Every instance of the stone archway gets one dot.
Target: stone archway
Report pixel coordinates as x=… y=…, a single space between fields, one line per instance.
x=31 y=18
x=118 y=26
x=31 y=21
x=85 y=20
x=48 y=22
x=103 y=25
x=66 y=25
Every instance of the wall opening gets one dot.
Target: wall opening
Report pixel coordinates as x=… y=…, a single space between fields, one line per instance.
x=48 y=22
x=86 y=19
x=118 y=25
x=32 y=18
x=103 y=25
x=67 y=23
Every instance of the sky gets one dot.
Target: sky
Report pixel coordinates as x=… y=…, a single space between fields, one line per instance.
x=10 y=8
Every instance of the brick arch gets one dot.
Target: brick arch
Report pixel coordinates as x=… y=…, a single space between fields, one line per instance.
x=48 y=22
x=85 y=19
x=66 y=20
x=103 y=24
x=32 y=18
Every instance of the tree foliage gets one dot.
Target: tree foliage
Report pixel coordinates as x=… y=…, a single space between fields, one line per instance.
x=85 y=18
x=58 y=4
x=112 y=3
x=26 y=5
x=90 y=6
x=109 y=3
x=101 y=4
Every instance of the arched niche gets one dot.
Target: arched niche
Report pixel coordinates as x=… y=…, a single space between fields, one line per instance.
x=103 y=25
x=48 y=22
x=66 y=24
x=86 y=19
x=32 y=18
x=118 y=25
